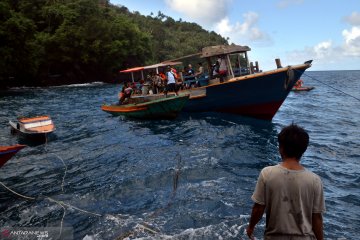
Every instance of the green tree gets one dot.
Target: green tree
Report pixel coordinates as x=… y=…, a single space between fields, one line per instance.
x=56 y=42
x=19 y=49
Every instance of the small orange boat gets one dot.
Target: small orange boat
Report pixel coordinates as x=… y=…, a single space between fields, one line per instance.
x=34 y=127
x=300 y=89
x=7 y=152
x=299 y=86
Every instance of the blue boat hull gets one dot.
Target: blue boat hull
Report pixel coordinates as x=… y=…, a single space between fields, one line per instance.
x=258 y=95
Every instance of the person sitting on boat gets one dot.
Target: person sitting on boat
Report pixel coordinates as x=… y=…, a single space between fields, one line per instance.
x=125 y=93
x=171 y=82
x=189 y=73
x=200 y=71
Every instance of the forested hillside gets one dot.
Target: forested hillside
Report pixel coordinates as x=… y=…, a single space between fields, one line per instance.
x=48 y=42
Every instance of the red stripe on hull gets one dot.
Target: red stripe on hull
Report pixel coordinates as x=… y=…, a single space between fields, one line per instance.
x=7 y=152
x=264 y=111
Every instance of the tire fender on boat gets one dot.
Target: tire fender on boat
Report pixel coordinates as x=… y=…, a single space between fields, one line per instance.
x=289 y=78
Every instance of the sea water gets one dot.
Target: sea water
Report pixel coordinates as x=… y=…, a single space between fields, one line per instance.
x=189 y=178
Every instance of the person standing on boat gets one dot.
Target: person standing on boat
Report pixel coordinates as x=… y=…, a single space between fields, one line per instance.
x=222 y=68
x=291 y=195
x=157 y=82
x=171 y=82
x=215 y=69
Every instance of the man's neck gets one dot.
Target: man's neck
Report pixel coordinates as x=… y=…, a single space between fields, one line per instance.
x=292 y=164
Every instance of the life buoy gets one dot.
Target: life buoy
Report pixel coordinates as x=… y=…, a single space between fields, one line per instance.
x=289 y=78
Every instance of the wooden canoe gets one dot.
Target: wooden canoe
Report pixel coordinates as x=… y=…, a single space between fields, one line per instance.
x=7 y=152
x=148 y=107
x=300 y=89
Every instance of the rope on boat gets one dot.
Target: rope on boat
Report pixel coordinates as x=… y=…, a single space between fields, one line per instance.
x=145 y=226
x=70 y=206
x=63 y=162
x=328 y=85
x=60 y=203
x=62 y=219
x=51 y=199
x=20 y=195
x=175 y=186
x=63 y=179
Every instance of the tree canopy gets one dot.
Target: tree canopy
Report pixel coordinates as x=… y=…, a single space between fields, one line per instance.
x=48 y=42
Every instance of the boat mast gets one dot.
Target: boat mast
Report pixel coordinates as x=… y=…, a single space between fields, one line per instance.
x=229 y=65
x=247 y=62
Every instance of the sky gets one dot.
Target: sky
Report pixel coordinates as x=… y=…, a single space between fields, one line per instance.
x=328 y=32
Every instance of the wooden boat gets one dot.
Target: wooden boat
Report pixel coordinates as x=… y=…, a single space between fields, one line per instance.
x=7 y=152
x=255 y=94
x=149 y=107
x=303 y=88
x=36 y=128
x=243 y=89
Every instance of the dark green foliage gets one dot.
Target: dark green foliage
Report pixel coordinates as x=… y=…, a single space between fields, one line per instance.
x=49 y=42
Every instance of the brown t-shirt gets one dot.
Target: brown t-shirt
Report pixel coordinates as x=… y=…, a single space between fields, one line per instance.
x=290 y=197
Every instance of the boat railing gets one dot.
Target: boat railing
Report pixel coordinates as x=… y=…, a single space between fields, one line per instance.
x=242 y=72
x=200 y=81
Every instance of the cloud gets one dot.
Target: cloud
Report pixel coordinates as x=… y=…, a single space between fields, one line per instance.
x=243 y=33
x=323 y=49
x=353 y=19
x=203 y=11
x=352 y=41
x=321 y=53
x=214 y=15
x=326 y=53
x=287 y=3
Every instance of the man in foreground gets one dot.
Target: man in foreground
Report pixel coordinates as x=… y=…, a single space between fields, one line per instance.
x=291 y=195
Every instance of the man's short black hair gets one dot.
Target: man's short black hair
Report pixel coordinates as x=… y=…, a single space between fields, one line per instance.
x=293 y=140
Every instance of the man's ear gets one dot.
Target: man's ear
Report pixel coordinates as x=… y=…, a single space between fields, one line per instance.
x=281 y=151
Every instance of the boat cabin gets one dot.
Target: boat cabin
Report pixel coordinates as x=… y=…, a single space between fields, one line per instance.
x=41 y=124
x=230 y=60
x=220 y=63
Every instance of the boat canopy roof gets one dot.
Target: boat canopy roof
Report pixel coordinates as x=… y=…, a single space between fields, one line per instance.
x=134 y=69
x=162 y=64
x=223 y=50
x=157 y=65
